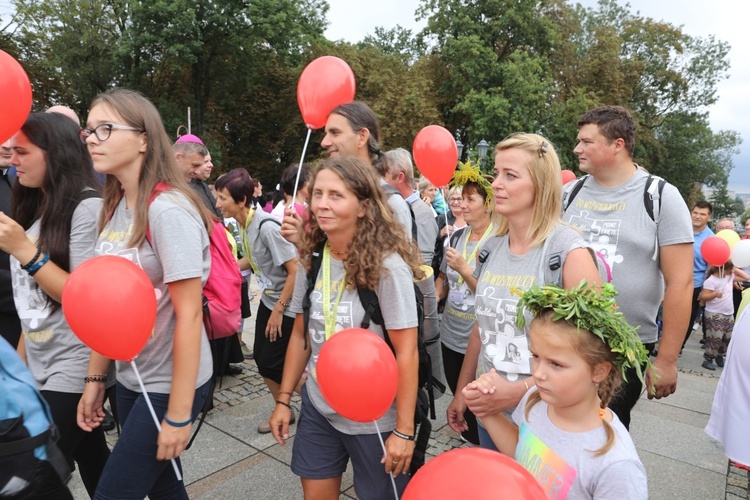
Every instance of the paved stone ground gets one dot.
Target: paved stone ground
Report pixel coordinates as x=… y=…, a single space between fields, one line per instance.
x=231 y=460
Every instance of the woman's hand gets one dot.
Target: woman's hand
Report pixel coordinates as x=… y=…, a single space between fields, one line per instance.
x=291 y=226
x=91 y=406
x=456 y=261
x=455 y=414
x=447 y=230
x=398 y=453
x=279 y=423
x=13 y=240
x=273 y=327
x=172 y=440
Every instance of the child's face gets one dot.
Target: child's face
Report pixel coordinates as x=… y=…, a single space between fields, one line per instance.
x=563 y=377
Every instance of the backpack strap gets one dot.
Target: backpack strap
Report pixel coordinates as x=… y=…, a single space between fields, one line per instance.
x=24 y=445
x=489 y=247
x=456 y=236
x=269 y=219
x=569 y=195
x=315 y=260
x=652 y=194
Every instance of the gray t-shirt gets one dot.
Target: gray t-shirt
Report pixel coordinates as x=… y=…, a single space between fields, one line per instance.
x=564 y=462
x=615 y=223
x=56 y=357
x=397 y=302
x=179 y=249
x=398 y=205
x=269 y=251
x=458 y=315
x=427 y=229
x=505 y=347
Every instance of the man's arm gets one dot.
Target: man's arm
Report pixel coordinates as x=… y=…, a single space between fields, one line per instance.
x=676 y=265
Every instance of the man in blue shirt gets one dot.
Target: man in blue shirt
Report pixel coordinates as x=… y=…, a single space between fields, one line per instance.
x=701 y=215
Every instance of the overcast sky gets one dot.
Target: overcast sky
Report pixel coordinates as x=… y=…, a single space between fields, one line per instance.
x=725 y=19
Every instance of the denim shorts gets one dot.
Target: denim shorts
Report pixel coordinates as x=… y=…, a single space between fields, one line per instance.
x=322 y=452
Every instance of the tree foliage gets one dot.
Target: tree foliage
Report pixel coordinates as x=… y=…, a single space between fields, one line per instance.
x=482 y=68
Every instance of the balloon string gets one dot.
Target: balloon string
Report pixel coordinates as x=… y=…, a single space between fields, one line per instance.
x=447 y=226
x=385 y=454
x=299 y=166
x=153 y=414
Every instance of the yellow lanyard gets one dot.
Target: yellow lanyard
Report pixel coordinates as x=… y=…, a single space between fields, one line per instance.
x=473 y=255
x=246 y=243
x=329 y=314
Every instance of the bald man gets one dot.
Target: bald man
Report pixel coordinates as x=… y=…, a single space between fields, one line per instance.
x=64 y=110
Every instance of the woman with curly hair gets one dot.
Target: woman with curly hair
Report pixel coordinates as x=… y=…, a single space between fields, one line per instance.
x=361 y=246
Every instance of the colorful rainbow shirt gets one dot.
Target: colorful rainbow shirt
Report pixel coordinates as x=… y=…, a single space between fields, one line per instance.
x=552 y=472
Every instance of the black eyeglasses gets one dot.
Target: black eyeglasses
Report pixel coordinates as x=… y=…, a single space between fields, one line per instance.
x=456 y=199
x=103 y=131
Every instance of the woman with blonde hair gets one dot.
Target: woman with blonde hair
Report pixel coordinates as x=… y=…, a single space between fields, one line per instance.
x=152 y=217
x=527 y=191
x=354 y=231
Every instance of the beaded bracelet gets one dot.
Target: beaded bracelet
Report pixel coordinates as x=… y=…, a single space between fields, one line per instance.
x=26 y=266
x=177 y=424
x=37 y=266
x=285 y=304
x=278 y=402
x=402 y=435
x=96 y=377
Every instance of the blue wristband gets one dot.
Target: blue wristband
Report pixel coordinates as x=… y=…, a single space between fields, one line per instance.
x=38 y=265
x=177 y=424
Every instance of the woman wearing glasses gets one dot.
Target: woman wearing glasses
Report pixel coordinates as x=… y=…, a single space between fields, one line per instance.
x=127 y=141
x=456 y=283
x=56 y=204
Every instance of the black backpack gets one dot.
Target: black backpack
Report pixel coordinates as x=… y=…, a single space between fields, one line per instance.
x=425 y=409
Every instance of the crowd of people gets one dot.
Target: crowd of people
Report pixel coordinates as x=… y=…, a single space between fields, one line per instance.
x=513 y=271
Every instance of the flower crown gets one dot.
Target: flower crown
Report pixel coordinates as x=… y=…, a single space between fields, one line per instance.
x=593 y=310
x=468 y=172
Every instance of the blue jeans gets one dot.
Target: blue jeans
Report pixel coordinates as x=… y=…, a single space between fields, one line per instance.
x=485 y=441
x=132 y=471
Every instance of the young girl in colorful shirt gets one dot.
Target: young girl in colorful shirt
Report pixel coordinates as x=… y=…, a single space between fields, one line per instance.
x=719 y=313
x=562 y=430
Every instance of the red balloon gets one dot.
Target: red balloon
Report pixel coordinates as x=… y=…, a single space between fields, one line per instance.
x=436 y=154
x=473 y=473
x=567 y=176
x=357 y=374
x=325 y=83
x=715 y=251
x=110 y=304
x=15 y=96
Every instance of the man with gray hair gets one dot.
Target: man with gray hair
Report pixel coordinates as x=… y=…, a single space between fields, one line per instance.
x=399 y=173
x=191 y=153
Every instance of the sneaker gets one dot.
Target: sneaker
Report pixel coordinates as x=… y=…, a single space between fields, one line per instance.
x=708 y=365
x=247 y=353
x=702 y=341
x=232 y=370
x=720 y=361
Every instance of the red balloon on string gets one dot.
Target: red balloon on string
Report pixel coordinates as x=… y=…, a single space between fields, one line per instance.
x=497 y=476
x=110 y=304
x=325 y=83
x=357 y=374
x=567 y=176
x=15 y=96
x=715 y=251
x=436 y=154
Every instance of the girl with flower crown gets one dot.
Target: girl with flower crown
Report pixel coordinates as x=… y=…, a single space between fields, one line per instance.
x=562 y=431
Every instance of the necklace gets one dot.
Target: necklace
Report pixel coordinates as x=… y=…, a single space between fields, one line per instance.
x=334 y=252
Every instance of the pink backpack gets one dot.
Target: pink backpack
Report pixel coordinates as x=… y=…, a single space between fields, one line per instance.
x=222 y=293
